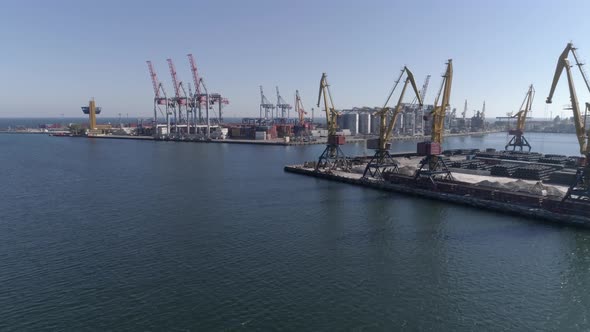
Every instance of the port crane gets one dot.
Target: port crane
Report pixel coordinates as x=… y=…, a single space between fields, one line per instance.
x=217 y=99
x=382 y=161
x=433 y=164
x=332 y=157
x=483 y=116
x=160 y=99
x=283 y=107
x=198 y=98
x=265 y=106
x=179 y=101
x=422 y=95
x=454 y=113
x=299 y=109
x=518 y=140
x=580 y=189
x=464 y=117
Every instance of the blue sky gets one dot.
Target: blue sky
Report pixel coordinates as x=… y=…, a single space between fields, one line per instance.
x=57 y=54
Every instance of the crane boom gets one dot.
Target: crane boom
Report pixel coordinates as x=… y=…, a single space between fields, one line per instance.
x=425 y=87
x=195 y=73
x=438 y=113
x=386 y=130
x=154 y=77
x=579 y=64
x=331 y=113
x=464 y=113
x=174 y=78
x=563 y=63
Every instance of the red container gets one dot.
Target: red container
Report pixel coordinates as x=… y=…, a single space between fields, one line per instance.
x=429 y=148
x=336 y=139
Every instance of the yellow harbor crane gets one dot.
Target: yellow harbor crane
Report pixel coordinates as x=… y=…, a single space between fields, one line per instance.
x=518 y=140
x=433 y=164
x=382 y=160
x=332 y=157
x=299 y=109
x=580 y=189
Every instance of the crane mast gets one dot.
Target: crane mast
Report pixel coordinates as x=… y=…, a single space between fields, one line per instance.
x=154 y=77
x=332 y=157
x=174 y=79
x=382 y=160
x=195 y=73
x=518 y=140
x=580 y=189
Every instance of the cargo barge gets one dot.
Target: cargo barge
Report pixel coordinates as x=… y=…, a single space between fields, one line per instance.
x=537 y=207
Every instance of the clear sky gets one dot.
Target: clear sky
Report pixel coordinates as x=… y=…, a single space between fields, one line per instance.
x=57 y=54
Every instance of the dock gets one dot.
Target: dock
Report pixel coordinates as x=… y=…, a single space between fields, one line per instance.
x=537 y=208
x=276 y=141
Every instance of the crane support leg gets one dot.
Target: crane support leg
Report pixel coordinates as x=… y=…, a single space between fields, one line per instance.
x=517 y=142
x=382 y=162
x=580 y=189
x=432 y=167
x=332 y=158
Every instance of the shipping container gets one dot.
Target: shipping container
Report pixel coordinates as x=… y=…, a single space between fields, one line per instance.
x=428 y=148
x=336 y=139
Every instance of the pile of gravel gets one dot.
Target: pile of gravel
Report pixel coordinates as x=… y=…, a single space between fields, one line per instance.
x=407 y=170
x=522 y=186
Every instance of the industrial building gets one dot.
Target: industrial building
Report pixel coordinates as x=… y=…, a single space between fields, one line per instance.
x=363 y=120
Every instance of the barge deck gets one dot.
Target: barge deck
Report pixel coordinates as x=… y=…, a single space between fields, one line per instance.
x=530 y=206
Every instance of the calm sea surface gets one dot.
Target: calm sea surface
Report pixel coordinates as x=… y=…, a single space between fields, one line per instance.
x=135 y=235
